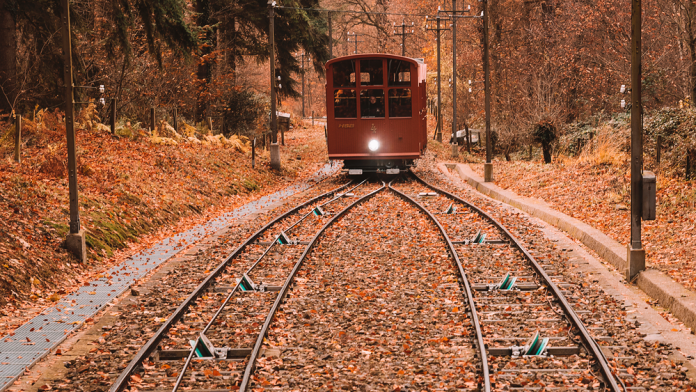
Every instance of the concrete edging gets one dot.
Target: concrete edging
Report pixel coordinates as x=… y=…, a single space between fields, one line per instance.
x=670 y=294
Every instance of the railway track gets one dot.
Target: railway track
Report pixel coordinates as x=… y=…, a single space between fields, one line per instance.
x=402 y=286
x=244 y=288
x=518 y=301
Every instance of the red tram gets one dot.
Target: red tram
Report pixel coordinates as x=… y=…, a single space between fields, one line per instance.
x=376 y=111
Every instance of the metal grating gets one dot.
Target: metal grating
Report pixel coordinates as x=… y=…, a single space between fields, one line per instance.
x=53 y=325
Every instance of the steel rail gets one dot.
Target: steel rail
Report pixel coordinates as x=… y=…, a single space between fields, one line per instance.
x=189 y=357
x=609 y=377
x=469 y=296
x=251 y=365
x=123 y=379
x=322 y=205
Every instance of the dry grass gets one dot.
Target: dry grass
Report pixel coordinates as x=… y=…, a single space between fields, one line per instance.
x=605 y=149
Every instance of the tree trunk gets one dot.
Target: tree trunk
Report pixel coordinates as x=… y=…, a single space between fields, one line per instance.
x=547 y=149
x=8 y=59
x=204 y=73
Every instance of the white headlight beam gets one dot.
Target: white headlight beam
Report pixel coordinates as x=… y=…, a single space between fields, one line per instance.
x=373 y=145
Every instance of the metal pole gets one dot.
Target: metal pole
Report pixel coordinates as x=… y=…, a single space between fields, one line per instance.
x=271 y=39
x=69 y=120
x=18 y=139
x=439 y=85
x=455 y=142
x=403 y=38
x=636 y=253
x=275 y=149
x=488 y=166
x=75 y=240
x=113 y=116
x=303 y=85
x=330 y=37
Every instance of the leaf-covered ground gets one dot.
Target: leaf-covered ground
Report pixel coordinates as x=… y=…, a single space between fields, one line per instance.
x=132 y=194
x=595 y=188
x=600 y=197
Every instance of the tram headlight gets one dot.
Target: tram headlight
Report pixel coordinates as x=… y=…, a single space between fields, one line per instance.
x=373 y=145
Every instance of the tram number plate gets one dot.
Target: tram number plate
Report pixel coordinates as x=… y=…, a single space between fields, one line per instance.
x=392 y=171
x=354 y=172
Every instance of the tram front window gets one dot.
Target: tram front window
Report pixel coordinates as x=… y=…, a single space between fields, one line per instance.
x=400 y=102
x=344 y=104
x=372 y=103
x=399 y=73
x=344 y=74
x=371 y=73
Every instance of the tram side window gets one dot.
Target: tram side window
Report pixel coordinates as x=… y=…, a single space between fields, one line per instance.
x=371 y=73
x=400 y=102
x=344 y=74
x=372 y=103
x=399 y=73
x=345 y=104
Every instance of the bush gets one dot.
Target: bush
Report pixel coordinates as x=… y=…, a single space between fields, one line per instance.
x=677 y=128
x=544 y=132
x=243 y=110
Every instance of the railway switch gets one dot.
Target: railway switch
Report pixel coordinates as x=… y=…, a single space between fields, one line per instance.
x=246 y=284
x=283 y=239
x=535 y=346
x=649 y=197
x=451 y=209
x=505 y=284
x=204 y=349
x=479 y=238
x=318 y=211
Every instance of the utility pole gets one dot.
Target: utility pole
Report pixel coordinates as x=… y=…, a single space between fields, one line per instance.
x=636 y=253
x=453 y=13
x=275 y=149
x=438 y=29
x=455 y=142
x=488 y=166
x=403 y=35
x=330 y=36
x=303 y=86
x=75 y=241
x=356 y=39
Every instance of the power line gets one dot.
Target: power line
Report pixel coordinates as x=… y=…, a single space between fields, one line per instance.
x=349 y=11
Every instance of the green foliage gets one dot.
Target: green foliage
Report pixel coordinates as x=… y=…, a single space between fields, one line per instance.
x=243 y=110
x=162 y=20
x=296 y=29
x=578 y=134
x=677 y=128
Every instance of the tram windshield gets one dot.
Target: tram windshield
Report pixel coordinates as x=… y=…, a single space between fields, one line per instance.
x=372 y=103
x=345 y=104
x=344 y=74
x=400 y=102
x=399 y=73
x=371 y=73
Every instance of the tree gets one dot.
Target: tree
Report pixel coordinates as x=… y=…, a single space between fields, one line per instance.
x=162 y=22
x=8 y=69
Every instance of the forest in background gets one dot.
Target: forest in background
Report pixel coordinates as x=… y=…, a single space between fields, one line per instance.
x=555 y=65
